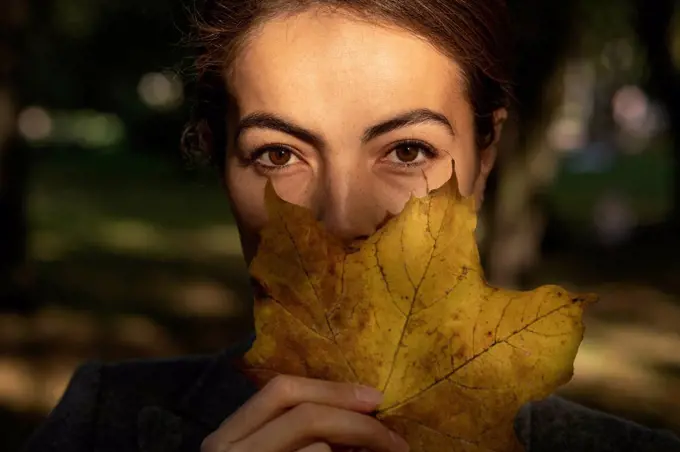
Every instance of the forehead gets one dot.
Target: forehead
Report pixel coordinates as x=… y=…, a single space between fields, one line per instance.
x=312 y=60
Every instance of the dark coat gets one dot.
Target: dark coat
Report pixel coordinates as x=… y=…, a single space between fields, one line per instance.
x=171 y=405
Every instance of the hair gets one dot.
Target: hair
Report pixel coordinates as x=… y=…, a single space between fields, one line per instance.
x=475 y=33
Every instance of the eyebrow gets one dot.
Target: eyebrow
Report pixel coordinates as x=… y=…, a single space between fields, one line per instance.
x=261 y=120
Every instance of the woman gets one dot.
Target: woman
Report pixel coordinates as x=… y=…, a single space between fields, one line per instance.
x=348 y=107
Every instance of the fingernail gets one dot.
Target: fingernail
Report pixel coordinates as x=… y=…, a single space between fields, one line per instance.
x=400 y=443
x=368 y=394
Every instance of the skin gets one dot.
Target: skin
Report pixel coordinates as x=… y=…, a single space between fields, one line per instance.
x=339 y=80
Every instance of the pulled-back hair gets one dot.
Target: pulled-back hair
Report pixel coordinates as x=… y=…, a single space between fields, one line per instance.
x=475 y=33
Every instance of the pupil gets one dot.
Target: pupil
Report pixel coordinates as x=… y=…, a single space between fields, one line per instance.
x=407 y=153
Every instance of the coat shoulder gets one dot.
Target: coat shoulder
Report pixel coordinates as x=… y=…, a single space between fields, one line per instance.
x=130 y=385
x=102 y=401
x=559 y=425
x=70 y=425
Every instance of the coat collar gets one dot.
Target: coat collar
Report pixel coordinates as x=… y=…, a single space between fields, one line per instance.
x=219 y=391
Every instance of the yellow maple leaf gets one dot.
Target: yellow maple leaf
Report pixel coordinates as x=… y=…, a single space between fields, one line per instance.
x=408 y=311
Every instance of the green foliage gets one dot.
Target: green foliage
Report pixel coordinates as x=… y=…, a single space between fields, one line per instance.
x=645 y=180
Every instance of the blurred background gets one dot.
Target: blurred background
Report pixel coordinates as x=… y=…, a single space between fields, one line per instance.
x=112 y=247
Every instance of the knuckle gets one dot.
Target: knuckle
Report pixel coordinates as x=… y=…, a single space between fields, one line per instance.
x=282 y=387
x=378 y=428
x=373 y=428
x=319 y=447
x=209 y=444
x=323 y=447
x=310 y=416
x=212 y=443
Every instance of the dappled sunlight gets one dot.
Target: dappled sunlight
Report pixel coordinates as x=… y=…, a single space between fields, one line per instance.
x=46 y=246
x=205 y=299
x=141 y=333
x=28 y=385
x=135 y=237
x=647 y=346
x=130 y=235
x=41 y=352
x=178 y=313
x=597 y=363
x=50 y=324
x=631 y=338
x=80 y=332
x=619 y=368
x=13 y=329
x=219 y=239
x=128 y=275
x=17 y=385
x=31 y=385
x=152 y=286
x=638 y=304
x=65 y=326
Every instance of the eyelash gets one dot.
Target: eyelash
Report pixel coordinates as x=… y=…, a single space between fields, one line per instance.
x=429 y=152
x=253 y=158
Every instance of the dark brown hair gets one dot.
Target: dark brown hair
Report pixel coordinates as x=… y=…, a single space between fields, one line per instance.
x=473 y=32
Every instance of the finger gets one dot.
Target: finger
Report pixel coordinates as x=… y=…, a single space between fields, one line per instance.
x=316 y=447
x=348 y=449
x=308 y=422
x=285 y=392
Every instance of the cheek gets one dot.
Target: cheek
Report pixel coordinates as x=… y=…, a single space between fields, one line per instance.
x=393 y=191
x=297 y=188
x=246 y=194
x=467 y=167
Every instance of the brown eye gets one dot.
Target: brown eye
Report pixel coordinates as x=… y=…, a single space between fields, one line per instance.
x=274 y=158
x=279 y=156
x=407 y=153
x=410 y=153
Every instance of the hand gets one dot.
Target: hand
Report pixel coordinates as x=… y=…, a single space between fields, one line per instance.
x=295 y=414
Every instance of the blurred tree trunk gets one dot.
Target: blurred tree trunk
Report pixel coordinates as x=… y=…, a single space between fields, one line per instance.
x=13 y=159
x=653 y=25
x=526 y=162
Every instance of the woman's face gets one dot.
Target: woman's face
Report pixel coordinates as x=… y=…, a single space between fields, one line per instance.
x=347 y=119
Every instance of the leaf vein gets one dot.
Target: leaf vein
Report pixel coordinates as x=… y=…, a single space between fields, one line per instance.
x=318 y=297
x=381 y=269
x=415 y=295
x=471 y=359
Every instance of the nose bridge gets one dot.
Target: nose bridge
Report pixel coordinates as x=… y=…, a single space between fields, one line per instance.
x=345 y=202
